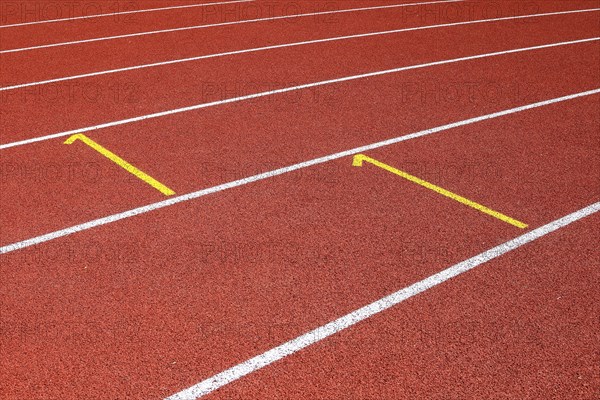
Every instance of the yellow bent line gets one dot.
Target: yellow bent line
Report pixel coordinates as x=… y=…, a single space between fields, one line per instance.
x=122 y=163
x=358 y=160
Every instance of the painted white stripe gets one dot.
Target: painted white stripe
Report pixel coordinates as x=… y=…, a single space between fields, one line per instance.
x=147 y=10
x=270 y=174
x=47 y=21
x=279 y=46
x=187 y=28
x=323 y=332
x=283 y=90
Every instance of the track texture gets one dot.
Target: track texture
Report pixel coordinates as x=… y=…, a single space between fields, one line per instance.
x=147 y=306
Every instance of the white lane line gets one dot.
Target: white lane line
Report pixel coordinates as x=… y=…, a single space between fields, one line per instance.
x=279 y=46
x=323 y=332
x=270 y=174
x=147 y=10
x=187 y=28
x=283 y=90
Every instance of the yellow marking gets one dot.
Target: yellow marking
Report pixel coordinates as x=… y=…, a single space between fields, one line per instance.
x=122 y=163
x=358 y=160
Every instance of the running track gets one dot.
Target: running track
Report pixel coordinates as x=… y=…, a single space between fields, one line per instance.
x=251 y=281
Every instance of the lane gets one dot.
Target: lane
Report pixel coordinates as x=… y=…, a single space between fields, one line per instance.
x=160 y=23
x=66 y=106
x=24 y=14
x=266 y=48
x=155 y=303
x=47 y=64
x=34 y=13
x=67 y=185
x=521 y=326
x=298 y=166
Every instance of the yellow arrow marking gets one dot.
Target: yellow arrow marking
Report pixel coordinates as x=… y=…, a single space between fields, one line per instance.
x=358 y=160
x=122 y=163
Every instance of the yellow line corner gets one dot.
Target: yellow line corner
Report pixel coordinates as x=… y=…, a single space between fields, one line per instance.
x=122 y=163
x=358 y=160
